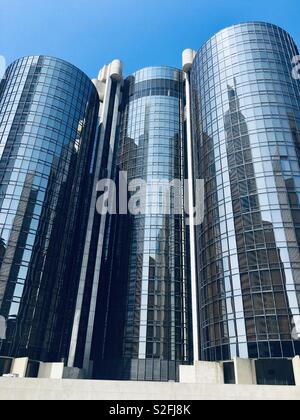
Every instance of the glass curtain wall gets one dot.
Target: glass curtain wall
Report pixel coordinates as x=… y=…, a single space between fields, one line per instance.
x=48 y=121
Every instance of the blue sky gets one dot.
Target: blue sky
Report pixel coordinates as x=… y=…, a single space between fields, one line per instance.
x=89 y=33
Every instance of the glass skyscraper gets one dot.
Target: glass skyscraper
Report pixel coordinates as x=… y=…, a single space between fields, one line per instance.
x=48 y=122
x=246 y=119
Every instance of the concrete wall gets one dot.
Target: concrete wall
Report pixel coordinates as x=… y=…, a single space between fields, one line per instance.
x=47 y=389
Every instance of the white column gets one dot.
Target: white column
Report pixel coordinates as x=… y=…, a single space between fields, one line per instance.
x=19 y=367
x=51 y=371
x=296 y=366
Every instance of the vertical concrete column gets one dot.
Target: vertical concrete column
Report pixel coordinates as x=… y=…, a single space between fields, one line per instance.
x=51 y=371
x=245 y=372
x=109 y=72
x=19 y=367
x=296 y=366
x=73 y=373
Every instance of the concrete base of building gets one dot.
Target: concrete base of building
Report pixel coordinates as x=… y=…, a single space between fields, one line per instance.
x=52 y=389
x=73 y=373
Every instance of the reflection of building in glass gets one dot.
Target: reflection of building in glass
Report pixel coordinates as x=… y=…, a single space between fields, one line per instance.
x=245 y=149
x=48 y=112
x=148 y=270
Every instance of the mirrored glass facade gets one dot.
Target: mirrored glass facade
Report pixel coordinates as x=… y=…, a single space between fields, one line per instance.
x=48 y=121
x=145 y=268
x=246 y=121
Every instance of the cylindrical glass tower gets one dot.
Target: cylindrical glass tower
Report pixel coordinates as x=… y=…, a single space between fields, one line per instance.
x=246 y=120
x=147 y=283
x=48 y=120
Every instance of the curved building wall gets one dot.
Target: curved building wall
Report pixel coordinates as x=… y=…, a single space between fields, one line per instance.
x=246 y=120
x=148 y=281
x=48 y=119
